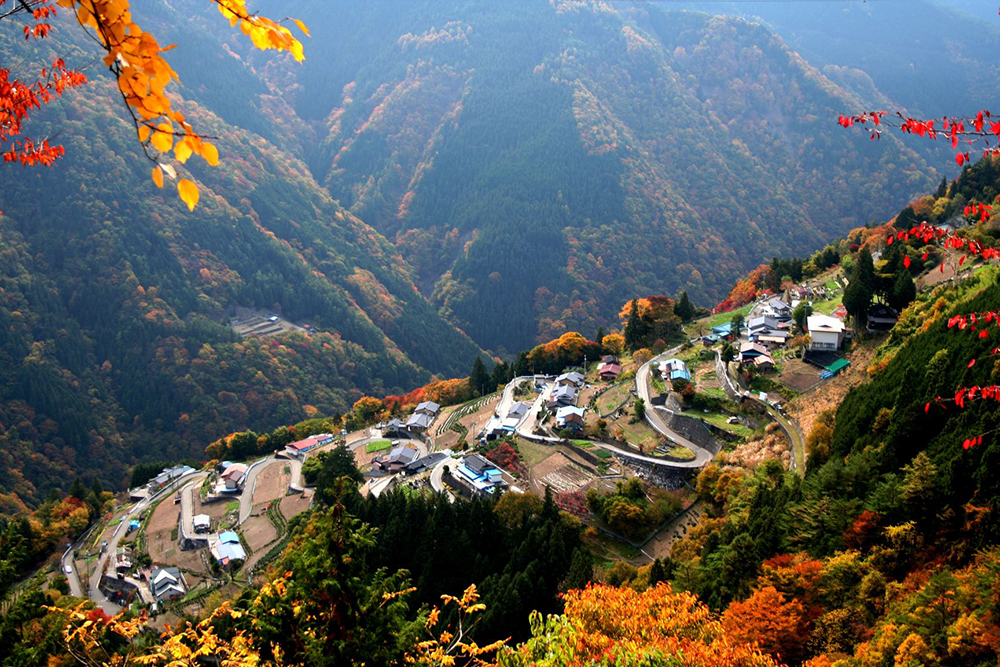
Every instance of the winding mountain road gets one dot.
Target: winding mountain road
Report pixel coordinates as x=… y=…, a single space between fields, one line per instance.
x=701 y=455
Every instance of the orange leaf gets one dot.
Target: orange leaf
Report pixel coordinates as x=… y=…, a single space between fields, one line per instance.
x=188 y=192
x=302 y=27
x=158 y=176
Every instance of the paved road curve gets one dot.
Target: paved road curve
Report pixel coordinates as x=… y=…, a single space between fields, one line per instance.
x=76 y=585
x=701 y=455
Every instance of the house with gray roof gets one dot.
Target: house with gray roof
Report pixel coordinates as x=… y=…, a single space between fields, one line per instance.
x=428 y=408
x=166 y=583
x=419 y=421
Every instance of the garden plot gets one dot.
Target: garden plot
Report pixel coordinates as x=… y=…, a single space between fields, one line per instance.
x=561 y=474
x=161 y=539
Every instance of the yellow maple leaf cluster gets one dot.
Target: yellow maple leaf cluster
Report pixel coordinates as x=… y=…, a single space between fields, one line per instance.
x=136 y=59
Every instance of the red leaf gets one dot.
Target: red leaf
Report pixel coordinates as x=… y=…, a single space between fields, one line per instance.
x=906 y=262
x=965 y=444
x=971 y=364
x=889 y=241
x=984 y=334
x=927 y=408
x=960 y=159
x=962 y=260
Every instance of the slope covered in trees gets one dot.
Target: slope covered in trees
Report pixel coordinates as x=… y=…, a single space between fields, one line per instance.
x=553 y=160
x=114 y=296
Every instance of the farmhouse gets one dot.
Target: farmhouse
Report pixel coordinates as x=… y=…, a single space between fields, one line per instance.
x=519 y=410
x=881 y=317
x=827 y=333
x=572 y=378
x=609 y=371
x=202 y=523
x=428 y=408
x=419 y=422
x=397 y=459
x=227 y=550
x=233 y=477
x=300 y=448
x=166 y=583
x=168 y=475
x=674 y=369
x=479 y=474
x=570 y=417
x=562 y=395
x=395 y=426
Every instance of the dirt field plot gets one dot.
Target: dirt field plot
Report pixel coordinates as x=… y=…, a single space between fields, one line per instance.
x=258 y=531
x=364 y=458
x=161 y=539
x=560 y=473
x=271 y=484
x=662 y=542
x=295 y=504
x=798 y=375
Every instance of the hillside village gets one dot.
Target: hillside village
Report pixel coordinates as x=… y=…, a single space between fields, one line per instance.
x=578 y=434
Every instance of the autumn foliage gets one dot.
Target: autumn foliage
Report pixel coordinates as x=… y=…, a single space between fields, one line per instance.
x=136 y=59
x=605 y=625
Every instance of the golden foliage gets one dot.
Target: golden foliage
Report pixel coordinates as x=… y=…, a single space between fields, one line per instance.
x=143 y=74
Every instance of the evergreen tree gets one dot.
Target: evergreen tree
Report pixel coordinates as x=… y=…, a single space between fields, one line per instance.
x=581 y=570
x=97 y=487
x=633 y=327
x=737 y=322
x=683 y=308
x=800 y=314
x=656 y=573
x=906 y=219
x=600 y=336
x=904 y=291
x=78 y=490
x=479 y=378
x=942 y=189
x=500 y=374
x=337 y=463
x=860 y=289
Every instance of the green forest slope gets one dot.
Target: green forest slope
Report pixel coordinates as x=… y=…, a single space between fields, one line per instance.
x=114 y=297
x=550 y=160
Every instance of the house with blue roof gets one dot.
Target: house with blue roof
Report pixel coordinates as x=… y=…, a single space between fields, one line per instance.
x=479 y=474
x=674 y=369
x=227 y=550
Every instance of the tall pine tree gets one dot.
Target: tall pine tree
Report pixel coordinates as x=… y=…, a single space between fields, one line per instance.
x=479 y=378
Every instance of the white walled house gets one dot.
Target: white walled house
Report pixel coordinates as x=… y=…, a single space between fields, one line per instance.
x=825 y=332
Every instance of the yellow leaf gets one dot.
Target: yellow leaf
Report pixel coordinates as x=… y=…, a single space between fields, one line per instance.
x=158 y=176
x=182 y=151
x=210 y=153
x=188 y=192
x=143 y=133
x=162 y=141
x=302 y=27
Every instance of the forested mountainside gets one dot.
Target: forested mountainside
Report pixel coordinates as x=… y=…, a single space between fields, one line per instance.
x=550 y=160
x=115 y=296
x=927 y=57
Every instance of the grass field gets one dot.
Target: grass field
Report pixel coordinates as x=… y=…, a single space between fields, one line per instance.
x=377 y=446
x=722 y=318
x=719 y=419
x=533 y=453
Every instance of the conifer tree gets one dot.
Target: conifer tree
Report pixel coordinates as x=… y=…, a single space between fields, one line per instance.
x=683 y=308
x=479 y=378
x=633 y=327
